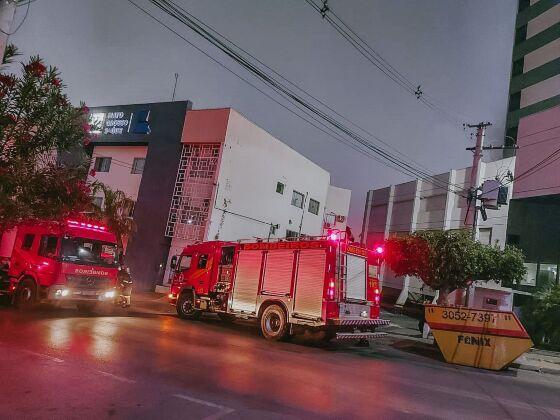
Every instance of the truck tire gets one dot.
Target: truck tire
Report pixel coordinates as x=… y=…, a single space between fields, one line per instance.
x=274 y=323
x=26 y=294
x=86 y=307
x=185 y=307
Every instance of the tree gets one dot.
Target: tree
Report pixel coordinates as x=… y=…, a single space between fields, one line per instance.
x=115 y=212
x=450 y=260
x=541 y=317
x=36 y=121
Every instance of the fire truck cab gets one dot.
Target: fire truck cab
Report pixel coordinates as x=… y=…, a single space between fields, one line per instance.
x=71 y=261
x=322 y=283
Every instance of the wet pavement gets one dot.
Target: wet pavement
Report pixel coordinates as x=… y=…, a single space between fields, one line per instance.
x=147 y=363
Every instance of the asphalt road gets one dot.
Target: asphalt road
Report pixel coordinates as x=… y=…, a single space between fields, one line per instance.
x=59 y=363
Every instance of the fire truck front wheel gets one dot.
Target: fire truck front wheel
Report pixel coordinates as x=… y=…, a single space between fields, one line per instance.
x=274 y=323
x=26 y=294
x=185 y=307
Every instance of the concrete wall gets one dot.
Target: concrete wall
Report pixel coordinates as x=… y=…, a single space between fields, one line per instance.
x=119 y=175
x=538 y=138
x=543 y=21
x=253 y=161
x=337 y=203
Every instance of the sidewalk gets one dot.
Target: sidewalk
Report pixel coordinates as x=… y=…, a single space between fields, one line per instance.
x=535 y=360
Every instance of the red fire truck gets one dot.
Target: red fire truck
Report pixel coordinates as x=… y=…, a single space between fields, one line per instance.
x=322 y=284
x=71 y=261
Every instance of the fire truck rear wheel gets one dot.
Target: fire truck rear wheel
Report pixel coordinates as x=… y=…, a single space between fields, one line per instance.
x=26 y=294
x=274 y=323
x=185 y=307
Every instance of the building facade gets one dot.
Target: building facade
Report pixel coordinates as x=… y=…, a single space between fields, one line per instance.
x=236 y=181
x=199 y=175
x=533 y=122
x=421 y=205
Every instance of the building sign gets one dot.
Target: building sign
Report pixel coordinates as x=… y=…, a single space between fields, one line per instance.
x=119 y=122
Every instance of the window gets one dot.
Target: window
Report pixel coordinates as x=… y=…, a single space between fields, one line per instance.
x=531 y=275
x=227 y=255
x=102 y=164
x=297 y=199
x=202 y=260
x=313 y=206
x=138 y=165
x=279 y=188
x=546 y=274
x=98 y=201
x=291 y=234
x=47 y=248
x=27 y=241
x=185 y=262
x=87 y=251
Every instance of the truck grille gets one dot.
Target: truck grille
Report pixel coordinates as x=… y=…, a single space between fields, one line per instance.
x=88 y=282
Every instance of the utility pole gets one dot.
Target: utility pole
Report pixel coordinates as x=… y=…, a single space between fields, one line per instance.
x=475 y=173
x=7 y=12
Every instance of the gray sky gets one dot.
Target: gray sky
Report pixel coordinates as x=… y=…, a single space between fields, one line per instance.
x=458 y=50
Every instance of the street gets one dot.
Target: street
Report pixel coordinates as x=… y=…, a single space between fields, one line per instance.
x=60 y=363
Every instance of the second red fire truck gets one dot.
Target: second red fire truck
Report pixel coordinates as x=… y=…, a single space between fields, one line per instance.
x=323 y=284
x=72 y=261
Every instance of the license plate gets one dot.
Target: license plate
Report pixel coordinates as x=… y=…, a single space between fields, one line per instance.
x=89 y=292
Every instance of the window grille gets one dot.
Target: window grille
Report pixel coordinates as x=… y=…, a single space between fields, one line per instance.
x=194 y=186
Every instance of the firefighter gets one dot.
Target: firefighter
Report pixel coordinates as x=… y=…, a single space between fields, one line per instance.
x=124 y=286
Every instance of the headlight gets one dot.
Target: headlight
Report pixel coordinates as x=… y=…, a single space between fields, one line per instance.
x=110 y=294
x=62 y=292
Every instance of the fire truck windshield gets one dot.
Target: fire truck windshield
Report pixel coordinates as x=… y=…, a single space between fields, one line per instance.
x=87 y=251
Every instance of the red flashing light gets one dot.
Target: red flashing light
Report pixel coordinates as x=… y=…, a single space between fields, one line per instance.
x=376 y=291
x=379 y=250
x=85 y=225
x=333 y=236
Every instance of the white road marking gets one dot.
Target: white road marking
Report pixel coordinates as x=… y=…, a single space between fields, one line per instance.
x=44 y=356
x=223 y=409
x=117 y=377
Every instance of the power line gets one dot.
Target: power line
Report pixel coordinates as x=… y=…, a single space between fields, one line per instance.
x=237 y=55
x=22 y=21
x=375 y=58
x=330 y=134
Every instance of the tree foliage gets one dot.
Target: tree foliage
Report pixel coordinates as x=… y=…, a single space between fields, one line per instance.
x=450 y=260
x=36 y=120
x=541 y=317
x=115 y=212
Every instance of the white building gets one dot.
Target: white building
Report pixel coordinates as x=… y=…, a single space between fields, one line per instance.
x=236 y=181
x=422 y=205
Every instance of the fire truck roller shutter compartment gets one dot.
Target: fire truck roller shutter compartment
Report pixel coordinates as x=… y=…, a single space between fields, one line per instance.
x=278 y=272
x=310 y=282
x=246 y=281
x=355 y=277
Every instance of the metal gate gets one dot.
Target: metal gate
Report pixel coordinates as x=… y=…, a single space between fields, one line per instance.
x=246 y=283
x=310 y=282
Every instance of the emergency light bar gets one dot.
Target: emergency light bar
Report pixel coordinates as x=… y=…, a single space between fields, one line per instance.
x=86 y=225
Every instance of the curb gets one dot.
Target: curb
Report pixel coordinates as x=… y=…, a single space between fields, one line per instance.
x=533 y=368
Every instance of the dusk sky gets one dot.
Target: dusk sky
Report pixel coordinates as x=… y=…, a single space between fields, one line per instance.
x=458 y=50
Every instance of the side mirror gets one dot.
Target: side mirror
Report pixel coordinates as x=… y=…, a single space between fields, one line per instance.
x=173 y=263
